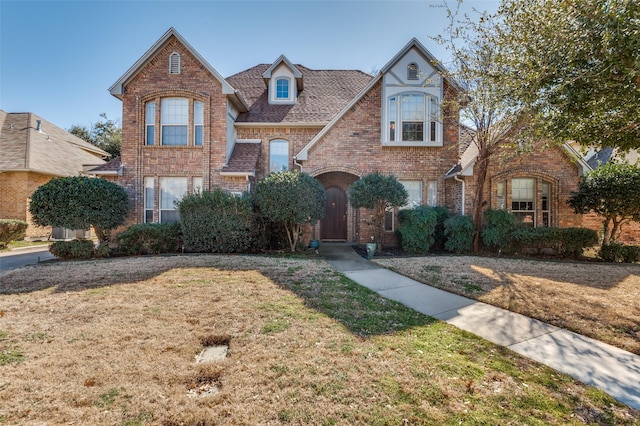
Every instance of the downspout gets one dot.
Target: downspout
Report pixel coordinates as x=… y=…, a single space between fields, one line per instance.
x=295 y=163
x=457 y=179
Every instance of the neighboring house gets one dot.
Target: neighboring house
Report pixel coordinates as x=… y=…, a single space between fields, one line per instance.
x=32 y=152
x=186 y=127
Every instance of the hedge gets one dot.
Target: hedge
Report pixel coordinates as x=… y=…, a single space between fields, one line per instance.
x=149 y=238
x=11 y=230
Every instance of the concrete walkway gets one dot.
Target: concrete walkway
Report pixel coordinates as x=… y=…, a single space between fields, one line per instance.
x=613 y=370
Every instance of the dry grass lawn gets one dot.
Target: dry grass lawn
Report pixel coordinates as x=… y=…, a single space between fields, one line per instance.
x=598 y=300
x=113 y=342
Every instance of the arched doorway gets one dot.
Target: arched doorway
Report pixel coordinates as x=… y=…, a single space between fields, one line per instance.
x=334 y=224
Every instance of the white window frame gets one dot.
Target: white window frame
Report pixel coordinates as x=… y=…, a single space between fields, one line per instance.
x=519 y=194
x=196 y=184
x=396 y=117
x=432 y=193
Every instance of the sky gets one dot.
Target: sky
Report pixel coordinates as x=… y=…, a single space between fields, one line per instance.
x=59 y=58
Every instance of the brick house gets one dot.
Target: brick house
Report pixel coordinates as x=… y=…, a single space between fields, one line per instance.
x=32 y=152
x=186 y=127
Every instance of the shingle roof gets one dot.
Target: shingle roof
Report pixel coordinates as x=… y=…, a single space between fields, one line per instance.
x=325 y=93
x=244 y=159
x=111 y=167
x=51 y=150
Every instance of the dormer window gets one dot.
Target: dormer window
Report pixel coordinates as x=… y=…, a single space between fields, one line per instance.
x=282 y=88
x=412 y=71
x=174 y=63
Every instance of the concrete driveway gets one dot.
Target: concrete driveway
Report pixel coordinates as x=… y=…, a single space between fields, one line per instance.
x=26 y=256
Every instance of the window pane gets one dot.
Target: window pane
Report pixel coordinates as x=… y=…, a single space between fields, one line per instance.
x=282 y=88
x=198 y=122
x=171 y=189
x=432 y=193
x=433 y=128
x=412 y=131
x=174 y=135
x=175 y=111
x=174 y=119
x=278 y=155
x=388 y=221
x=197 y=184
x=412 y=107
x=414 y=189
x=413 y=117
x=150 y=121
x=522 y=189
x=392 y=119
x=149 y=199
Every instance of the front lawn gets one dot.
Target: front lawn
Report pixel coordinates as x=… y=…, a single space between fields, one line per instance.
x=114 y=342
x=595 y=299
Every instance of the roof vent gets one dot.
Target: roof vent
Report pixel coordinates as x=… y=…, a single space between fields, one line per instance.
x=38 y=125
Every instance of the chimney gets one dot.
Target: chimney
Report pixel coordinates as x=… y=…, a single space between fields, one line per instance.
x=38 y=125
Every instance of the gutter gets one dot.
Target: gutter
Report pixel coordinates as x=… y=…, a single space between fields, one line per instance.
x=457 y=179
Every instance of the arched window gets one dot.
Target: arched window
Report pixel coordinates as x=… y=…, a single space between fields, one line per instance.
x=278 y=155
x=282 y=88
x=174 y=63
x=412 y=71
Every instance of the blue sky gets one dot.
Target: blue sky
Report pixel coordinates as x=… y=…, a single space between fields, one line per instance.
x=59 y=58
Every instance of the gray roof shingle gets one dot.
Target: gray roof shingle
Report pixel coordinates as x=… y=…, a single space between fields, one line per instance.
x=325 y=93
x=244 y=159
x=51 y=150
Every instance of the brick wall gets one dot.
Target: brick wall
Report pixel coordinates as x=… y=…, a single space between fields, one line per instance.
x=17 y=188
x=152 y=83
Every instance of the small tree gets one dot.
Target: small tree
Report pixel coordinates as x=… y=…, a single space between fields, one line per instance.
x=80 y=202
x=292 y=198
x=613 y=192
x=380 y=193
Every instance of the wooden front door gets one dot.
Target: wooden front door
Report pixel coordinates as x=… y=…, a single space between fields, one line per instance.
x=334 y=224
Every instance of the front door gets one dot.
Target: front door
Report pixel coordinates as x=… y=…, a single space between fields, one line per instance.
x=334 y=224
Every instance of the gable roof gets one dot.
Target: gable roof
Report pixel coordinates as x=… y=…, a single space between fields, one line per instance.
x=437 y=65
x=303 y=154
x=325 y=93
x=110 y=168
x=50 y=150
x=117 y=88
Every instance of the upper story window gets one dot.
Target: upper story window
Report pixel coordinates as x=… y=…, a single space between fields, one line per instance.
x=180 y=120
x=412 y=71
x=413 y=117
x=282 y=88
x=198 y=122
x=278 y=155
x=174 y=63
x=150 y=123
x=174 y=121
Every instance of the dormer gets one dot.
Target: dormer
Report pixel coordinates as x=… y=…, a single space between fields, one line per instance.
x=284 y=82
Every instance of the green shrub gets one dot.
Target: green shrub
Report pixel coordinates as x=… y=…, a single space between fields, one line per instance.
x=565 y=242
x=573 y=241
x=459 y=231
x=74 y=249
x=11 y=230
x=496 y=235
x=149 y=238
x=417 y=229
x=217 y=222
x=616 y=252
x=439 y=237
